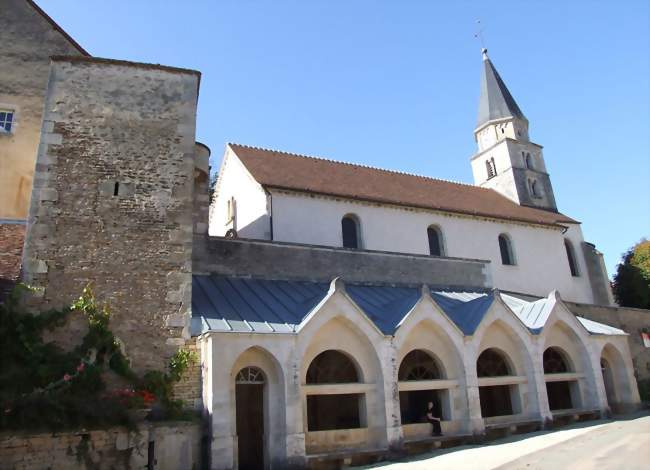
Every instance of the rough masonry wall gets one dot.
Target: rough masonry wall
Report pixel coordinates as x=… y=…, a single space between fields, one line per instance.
x=273 y=260
x=12 y=236
x=113 y=198
x=28 y=40
x=175 y=446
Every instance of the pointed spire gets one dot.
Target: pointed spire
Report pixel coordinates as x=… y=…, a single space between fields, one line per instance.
x=496 y=102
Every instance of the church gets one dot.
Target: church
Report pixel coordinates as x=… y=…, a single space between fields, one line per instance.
x=463 y=305
x=329 y=302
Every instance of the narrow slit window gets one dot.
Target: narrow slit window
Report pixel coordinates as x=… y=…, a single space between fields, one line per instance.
x=435 y=241
x=116 y=189
x=570 y=254
x=505 y=246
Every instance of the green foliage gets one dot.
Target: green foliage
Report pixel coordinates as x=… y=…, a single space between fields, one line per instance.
x=631 y=284
x=43 y=387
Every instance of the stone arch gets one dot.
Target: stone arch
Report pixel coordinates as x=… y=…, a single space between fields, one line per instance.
x=429 y=330
x=337 y=332
x=618 y=389
x=504 y=333
x=568 y=337
x=273 y=404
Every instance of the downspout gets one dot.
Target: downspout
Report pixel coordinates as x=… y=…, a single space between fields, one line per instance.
x=269 y=196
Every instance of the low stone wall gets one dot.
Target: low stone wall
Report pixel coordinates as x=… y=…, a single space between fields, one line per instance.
x=165 y=446
x=633 y=321
x=277 y=260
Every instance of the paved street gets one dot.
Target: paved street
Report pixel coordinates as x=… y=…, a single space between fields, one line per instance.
x=623 y=444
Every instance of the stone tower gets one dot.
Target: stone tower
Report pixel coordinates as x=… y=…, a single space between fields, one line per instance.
x=114 y=193
x=507 y=161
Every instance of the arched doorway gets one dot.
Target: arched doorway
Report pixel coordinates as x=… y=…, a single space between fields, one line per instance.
x=419 y=366
x=608 y=379
x=558 y=391
x=334 y=410
x=249 y=399
x=495 y=396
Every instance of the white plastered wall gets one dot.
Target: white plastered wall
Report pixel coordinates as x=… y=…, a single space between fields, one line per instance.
x=251 y=212
x=541 y=263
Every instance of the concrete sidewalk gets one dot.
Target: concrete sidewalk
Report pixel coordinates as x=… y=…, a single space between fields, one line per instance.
x=614 y=444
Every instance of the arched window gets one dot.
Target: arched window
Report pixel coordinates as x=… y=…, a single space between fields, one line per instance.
x=418 y=365
x=570 y=255
x=350 y=231
x=250 y=375
x=331 y=367
x=491 y=363
x=560 y=393
x=329 y=410
x=505 y=246
x=555 y=362
x=435 y=241
x=529 y=161
x=496 y=400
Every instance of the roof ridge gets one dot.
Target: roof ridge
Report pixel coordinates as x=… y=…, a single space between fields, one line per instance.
x=312 y=157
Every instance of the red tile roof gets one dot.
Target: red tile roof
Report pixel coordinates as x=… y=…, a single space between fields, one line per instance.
x=282 y=170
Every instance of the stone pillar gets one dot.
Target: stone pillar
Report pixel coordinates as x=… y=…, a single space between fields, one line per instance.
x=475 y=423
x=295 y=439
x=388 y=358
x=539 y=384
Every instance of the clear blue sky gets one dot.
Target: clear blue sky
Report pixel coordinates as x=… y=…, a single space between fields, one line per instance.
x=395 y=84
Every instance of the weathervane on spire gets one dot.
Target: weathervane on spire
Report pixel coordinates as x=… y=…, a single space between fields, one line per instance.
x=479 y=35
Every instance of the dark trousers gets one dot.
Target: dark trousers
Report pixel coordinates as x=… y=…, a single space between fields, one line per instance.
x=436 y=427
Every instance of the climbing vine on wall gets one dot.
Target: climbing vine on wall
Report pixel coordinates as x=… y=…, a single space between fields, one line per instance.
x=43 y=387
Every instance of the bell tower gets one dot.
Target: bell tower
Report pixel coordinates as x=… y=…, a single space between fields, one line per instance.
x=507 y=161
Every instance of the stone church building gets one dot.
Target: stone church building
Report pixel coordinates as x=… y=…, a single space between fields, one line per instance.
x=330 y=301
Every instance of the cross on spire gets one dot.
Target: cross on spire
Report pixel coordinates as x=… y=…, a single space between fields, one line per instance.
x=479 y=35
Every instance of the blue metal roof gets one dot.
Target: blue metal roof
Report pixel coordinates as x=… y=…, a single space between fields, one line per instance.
x=465 y=309
x=252 y=305
x=221 y=303
x=385 y=306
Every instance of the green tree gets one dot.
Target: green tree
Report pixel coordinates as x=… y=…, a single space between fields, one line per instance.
x=632 y=279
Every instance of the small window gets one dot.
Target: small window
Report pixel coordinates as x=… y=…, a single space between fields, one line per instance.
x=505 y=246
x=350 y=231
x=6 y=120
x=435 y=241
x=570 y=255
x=534 y=188
x=491 y=168
x=529 y=161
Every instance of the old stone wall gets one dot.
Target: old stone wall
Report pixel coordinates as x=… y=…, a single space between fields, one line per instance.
x=633 y=321
x=28 y=40
x=275 y=260
x=12 y=235
x=167 y=446
x=189 y=387
x=113 y=198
